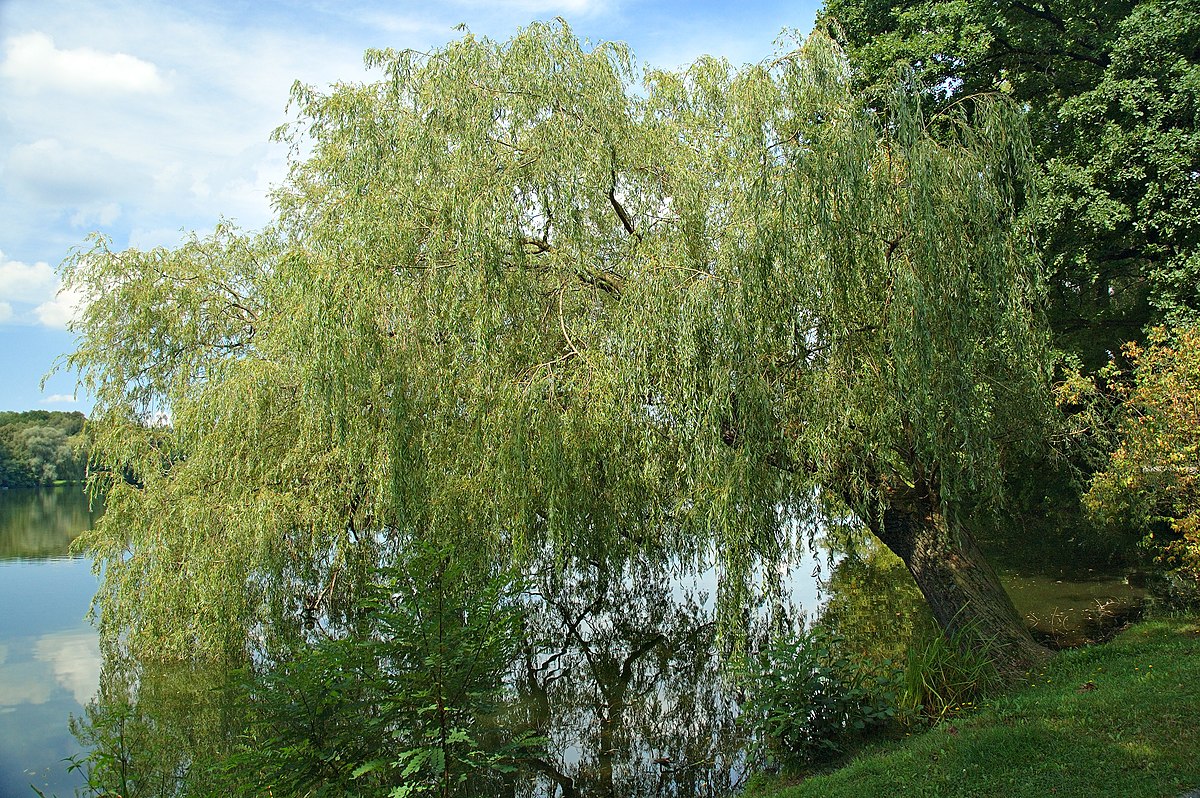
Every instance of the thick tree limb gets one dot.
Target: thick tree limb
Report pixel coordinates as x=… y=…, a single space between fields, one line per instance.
x=626 y=222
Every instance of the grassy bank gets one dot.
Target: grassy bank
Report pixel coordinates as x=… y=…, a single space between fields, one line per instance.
x=1120 y=719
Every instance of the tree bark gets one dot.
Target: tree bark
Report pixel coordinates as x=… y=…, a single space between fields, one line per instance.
x=964 y=593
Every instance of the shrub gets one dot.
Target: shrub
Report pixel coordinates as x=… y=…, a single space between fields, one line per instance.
x=402 y=706
x=810 y=698
x=1152 y=482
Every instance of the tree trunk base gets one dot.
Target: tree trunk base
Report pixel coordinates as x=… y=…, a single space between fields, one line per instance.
x=965 y=595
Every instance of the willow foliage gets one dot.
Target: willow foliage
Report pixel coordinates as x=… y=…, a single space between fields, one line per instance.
x=514 y=302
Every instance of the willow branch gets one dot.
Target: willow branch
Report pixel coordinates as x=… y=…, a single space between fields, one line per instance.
x=562 y=323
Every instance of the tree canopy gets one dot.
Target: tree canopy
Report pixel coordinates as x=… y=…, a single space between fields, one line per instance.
x=1113 y=101
x=516 y=303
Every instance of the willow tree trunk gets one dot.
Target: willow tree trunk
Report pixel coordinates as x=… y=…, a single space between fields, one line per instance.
x=964 y=593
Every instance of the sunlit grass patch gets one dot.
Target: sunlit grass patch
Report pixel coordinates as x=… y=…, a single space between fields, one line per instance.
x=1115 y=719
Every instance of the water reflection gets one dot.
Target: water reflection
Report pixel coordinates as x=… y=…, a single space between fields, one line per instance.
x=618 y=669
x=49 y=658
x=874 y=605
x=73 y=658
x=158 y=731
x=37 y=523
x=66 y=660
x=1069 y=607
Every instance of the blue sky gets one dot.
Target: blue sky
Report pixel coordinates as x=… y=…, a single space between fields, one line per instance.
x=143 y=120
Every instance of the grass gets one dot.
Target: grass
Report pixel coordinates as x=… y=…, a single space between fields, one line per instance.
x=1119 y=719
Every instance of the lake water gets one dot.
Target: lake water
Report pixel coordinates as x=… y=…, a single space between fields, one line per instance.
x=49 y=656
x=636 y=640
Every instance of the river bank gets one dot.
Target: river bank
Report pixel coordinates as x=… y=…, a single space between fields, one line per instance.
x=1121 y=718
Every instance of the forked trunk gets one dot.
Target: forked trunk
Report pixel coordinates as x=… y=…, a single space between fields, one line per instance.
x=964 y=593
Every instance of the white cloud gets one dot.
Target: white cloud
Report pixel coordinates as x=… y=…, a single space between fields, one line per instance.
x=401 y=24
x=33 y=62
x=60 y=399
x=61 y=310
x=36 y=286
x=20 y=282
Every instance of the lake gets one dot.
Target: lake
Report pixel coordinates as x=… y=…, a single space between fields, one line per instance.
x=49 y=656
x=618 y=670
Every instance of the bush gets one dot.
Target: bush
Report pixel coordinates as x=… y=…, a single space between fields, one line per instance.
x=810 y=698
x=1152 y=482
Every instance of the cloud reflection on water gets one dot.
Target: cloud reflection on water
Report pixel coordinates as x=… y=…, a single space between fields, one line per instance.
x=24 y=683
x=74 y=656
x=32 y=669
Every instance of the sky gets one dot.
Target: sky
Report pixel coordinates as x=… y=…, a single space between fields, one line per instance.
x=147 y=120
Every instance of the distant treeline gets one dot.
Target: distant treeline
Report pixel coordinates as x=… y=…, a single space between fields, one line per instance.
x=38 y=447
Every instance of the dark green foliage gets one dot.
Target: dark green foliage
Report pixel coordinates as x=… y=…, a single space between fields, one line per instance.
x=400 y=707
x=38 y=447
x=71 y=423
x=1112 y=92
x=810 y=696
x=15 y=471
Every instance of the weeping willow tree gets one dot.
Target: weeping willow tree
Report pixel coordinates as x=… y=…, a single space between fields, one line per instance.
x=513 y=302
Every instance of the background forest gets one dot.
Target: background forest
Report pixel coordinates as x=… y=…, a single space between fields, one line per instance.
x=40 y=447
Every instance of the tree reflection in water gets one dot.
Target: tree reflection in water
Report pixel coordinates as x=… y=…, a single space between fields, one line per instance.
x=872 y=603
x=157 y=731
x=618 y=668
x=620 y=671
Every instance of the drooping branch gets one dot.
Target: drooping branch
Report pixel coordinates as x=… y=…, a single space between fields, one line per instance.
x=607 y=281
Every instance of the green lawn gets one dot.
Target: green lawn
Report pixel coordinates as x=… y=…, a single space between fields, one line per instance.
x=1120 y=719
